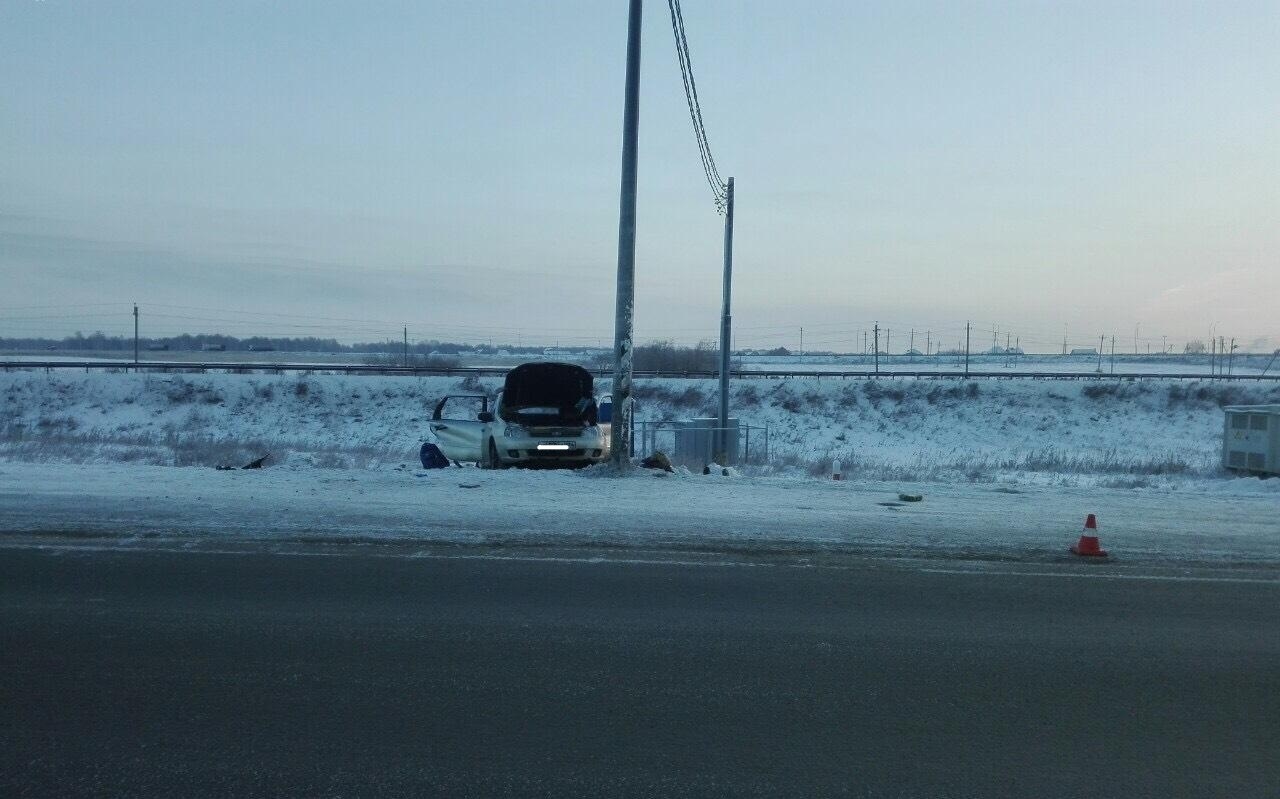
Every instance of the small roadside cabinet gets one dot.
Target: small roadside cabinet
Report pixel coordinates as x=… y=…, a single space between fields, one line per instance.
x=1251 y=439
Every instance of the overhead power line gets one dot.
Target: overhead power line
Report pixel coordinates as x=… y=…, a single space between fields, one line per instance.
x=719 y=188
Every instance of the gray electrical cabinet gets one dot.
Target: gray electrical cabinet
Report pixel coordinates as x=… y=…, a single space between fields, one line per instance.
x=1251 y=439
x=695 y=441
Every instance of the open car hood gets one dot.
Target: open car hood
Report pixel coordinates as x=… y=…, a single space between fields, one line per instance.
x=548 y=393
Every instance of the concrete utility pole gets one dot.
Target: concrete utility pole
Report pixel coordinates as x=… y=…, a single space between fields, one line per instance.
x=406 y=346
x=623 y=323
x=887 y=333
x=876 y=345
x=1231 y=356
x=726 y=324
x=1113 y=355
x=928 y=339
x=802 y=340
x=966 y=349
x=135 y=334
x=1102 y=344
x=912 y=345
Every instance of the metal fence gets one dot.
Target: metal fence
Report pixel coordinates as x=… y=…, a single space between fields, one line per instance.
x=661 y=436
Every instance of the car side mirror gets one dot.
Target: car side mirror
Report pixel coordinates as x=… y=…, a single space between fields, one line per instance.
x=485 y=416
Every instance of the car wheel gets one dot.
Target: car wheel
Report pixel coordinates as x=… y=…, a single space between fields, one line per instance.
x=495 y=460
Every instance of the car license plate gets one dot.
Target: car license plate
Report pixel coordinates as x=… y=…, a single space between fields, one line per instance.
x=553 y=447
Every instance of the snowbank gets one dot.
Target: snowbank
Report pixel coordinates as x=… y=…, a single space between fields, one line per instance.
x=1135 y=434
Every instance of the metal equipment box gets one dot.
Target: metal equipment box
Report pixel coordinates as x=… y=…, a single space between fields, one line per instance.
x=1251 y=439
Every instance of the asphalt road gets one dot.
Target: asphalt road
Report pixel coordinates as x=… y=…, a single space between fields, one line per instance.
x=355 y=674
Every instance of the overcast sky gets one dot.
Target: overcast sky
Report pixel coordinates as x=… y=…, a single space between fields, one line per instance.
x=1077 y=168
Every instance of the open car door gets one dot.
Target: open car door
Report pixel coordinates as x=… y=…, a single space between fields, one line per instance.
x=458 y=423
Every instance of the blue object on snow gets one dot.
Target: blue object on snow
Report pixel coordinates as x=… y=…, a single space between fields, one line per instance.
x=432 y=457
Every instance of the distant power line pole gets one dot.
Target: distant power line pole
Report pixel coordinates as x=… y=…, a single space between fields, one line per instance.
x=406 y=346
x=928 y=339
x=1102 y=345
x=1231 y=356
x=1113 y=355
x=912 y=345
x=135 y=334
x=802 y=340
x=966 y=349
x=623 y=323
x=876 y=345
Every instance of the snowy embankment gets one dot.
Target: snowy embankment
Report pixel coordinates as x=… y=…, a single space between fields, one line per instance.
x=1118 y=434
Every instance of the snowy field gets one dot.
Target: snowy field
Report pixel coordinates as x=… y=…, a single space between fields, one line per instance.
x=1008 y=468
x=1119 y=434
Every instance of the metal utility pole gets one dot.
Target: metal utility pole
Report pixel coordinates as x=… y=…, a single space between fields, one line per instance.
x=966 y=349
x=135 y=334
x=726 y=323
x=1164 y=345
x=876 y=344
x=623 y=323
x=928 y=339
x=406 y=346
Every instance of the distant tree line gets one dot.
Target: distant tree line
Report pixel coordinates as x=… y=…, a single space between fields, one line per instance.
x=99 y=341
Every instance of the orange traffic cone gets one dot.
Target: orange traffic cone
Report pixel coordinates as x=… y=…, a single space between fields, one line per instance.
x=1087 y=546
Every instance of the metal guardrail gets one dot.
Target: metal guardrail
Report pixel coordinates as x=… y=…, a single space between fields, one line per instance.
x=498 y=371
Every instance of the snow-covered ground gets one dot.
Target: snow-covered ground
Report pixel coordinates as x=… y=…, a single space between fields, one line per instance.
x=1008 y=468
x=1120 y=434
x=1229 y=524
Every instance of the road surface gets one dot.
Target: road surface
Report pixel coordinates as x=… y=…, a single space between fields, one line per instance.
x=353 y=671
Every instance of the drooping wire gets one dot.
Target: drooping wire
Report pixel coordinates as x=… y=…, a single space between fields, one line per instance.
x=718 y=187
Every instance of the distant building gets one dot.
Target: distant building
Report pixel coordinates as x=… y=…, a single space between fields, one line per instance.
x=1084 y=351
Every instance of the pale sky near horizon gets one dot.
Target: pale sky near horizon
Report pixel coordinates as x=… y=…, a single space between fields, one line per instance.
x=342 y=169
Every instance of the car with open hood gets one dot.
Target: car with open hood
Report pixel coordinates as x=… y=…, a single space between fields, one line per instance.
x=545 y=415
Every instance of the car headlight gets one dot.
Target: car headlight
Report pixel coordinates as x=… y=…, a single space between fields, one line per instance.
x=516 y=431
